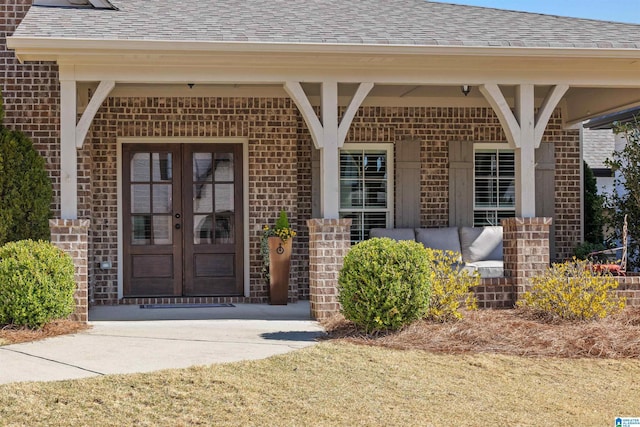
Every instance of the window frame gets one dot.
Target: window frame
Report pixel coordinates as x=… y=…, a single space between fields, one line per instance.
x=364 y=147
x=496 y=147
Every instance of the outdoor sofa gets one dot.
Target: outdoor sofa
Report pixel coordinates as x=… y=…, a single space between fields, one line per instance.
x=480 y=247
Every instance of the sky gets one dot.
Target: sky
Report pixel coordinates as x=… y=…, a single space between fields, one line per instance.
x=608 y=10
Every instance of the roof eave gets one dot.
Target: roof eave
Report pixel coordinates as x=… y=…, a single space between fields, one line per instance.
x=45 y=48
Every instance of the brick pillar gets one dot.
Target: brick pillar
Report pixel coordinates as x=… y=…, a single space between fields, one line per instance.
x=329 y=242
x=71 y=235
x=526 y=250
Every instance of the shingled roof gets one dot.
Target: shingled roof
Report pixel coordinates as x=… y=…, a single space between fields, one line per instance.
x=598 y=145
x=361 y=22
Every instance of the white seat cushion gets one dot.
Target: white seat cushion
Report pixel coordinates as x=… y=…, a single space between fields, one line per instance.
x=487 y=269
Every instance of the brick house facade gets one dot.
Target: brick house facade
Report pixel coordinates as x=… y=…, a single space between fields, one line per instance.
x=279 y=147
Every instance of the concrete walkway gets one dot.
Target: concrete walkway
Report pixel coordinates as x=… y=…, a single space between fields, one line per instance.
x=128 y=339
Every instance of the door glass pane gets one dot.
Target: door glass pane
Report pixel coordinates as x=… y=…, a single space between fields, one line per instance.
x=162 y=167
x=224 y=198
x=202 y=167
x=224 y=167
x=141 y=229
x=140 y=198
x=140 y=167
x=203 y=198
x=225 y=229
x=162 y=198
x=202 y=229
x=162 y=230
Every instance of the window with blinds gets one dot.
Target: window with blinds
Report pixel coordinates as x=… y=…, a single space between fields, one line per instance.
x=493 y=186
x=365 y=194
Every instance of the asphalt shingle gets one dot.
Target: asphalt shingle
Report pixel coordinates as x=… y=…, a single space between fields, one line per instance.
x=598 y=145
x=361 y=22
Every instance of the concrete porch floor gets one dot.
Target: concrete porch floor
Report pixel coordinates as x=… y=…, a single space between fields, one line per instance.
x=127 y=339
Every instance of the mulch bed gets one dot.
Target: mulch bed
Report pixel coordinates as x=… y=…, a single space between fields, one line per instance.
x=513 y=332
x=10 y=334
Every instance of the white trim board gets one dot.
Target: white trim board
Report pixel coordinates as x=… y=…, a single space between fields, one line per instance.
x=180 y=140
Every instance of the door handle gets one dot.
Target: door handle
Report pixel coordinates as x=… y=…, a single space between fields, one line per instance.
x=177 y=226
x=177 y=216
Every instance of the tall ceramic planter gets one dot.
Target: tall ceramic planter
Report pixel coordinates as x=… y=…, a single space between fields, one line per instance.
x=279 y=266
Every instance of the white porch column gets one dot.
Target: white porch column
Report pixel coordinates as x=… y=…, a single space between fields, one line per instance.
x=328 y=135
x=68 y=153
x=329 y=153
x=524 y=130
x=525 y=156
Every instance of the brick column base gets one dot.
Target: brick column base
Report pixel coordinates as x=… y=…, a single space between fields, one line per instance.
x=329 y=242
x=71 y=235
x=526 y=250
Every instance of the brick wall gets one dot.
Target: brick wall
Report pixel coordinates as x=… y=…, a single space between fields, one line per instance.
x=72 y=237
x=31 y=95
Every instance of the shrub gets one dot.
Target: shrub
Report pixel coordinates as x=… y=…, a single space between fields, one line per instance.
x=384 y=284
x=450 y=287
x=593 y=207
x=586 y=249
x=625 y=197
x=36 y=283
x=573 y=291
x=25 y=190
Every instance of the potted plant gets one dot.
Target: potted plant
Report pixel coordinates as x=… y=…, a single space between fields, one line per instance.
x=276 y=246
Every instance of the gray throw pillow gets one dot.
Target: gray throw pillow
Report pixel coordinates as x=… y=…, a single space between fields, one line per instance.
x=444 y=239
x=481 y=243
x=393 y=233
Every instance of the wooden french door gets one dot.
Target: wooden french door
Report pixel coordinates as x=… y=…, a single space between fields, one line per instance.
x=182 y=220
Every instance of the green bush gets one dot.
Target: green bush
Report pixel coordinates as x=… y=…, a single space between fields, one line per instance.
x=584 y=251
x=450 y=287
x=25 y=190
x=573 y=291
x=36 y=283
x=384 y=284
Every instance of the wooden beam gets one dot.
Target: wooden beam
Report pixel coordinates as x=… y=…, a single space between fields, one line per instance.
x=500 y=106
x=68 y=153
x=549 y=104
x=352 y=109
x=104 y=88
x=295 y=91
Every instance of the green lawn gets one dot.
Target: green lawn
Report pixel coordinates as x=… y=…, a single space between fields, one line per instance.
x=343 y=384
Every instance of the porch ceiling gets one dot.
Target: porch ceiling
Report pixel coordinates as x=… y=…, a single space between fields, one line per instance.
x=579 y=104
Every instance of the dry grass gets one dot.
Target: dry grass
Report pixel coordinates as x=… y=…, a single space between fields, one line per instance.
x=391 y=381
x=12 y=334
x=342 y=384
x=512 y=332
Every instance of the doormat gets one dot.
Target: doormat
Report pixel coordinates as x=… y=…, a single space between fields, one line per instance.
x=184 y=305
